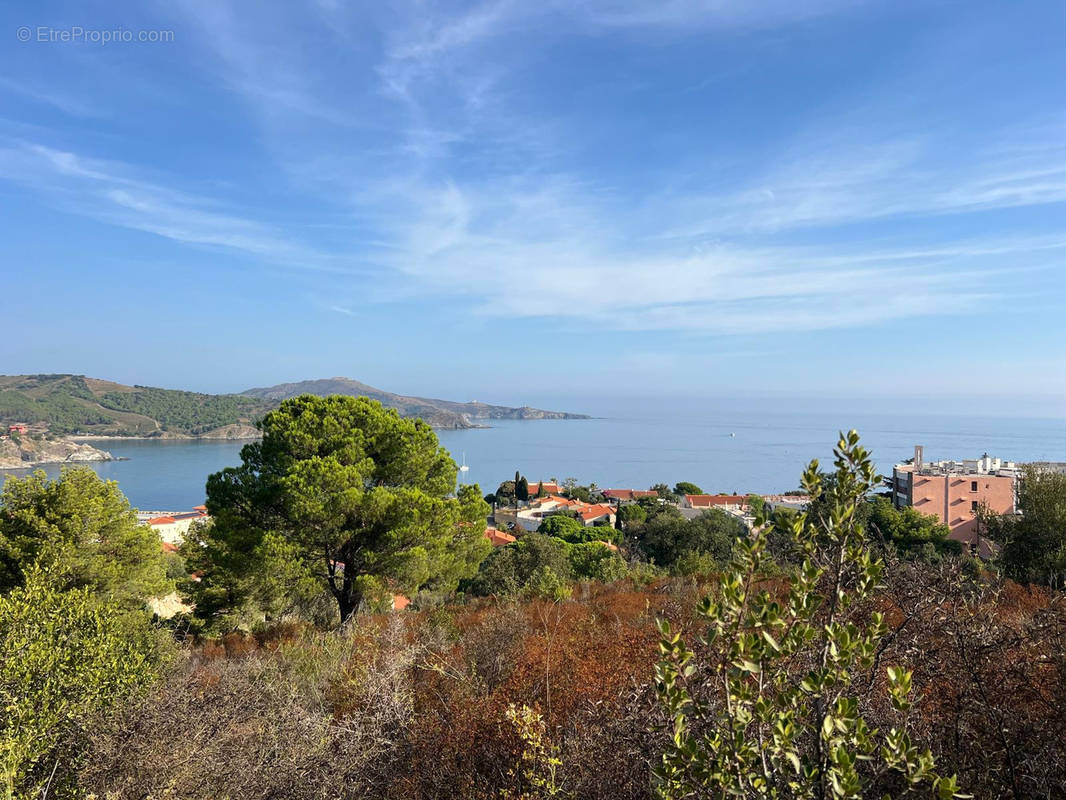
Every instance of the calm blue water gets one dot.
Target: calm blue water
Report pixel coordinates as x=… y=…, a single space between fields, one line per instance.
x=767 y=453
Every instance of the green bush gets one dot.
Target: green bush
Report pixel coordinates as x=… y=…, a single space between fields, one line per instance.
x=685 y=487
x=594 y=561
x=693 y=562
x=81 y=531
x=64 y=656
x=914 y=534
x=512 y=569
x=1034 y=540
x=666 y=535
x=770 y=707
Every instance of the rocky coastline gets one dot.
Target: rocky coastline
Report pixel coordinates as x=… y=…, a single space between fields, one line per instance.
x=19 y=452
x=237 y=431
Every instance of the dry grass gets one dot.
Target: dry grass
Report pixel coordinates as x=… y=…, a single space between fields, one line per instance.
x=412 y=705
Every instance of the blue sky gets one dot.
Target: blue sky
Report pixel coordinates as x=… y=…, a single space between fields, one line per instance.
x=524 y=201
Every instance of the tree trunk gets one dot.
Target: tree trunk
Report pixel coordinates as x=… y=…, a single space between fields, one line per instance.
x=348 y=603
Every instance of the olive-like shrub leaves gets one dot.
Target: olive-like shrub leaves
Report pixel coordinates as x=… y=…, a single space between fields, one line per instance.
x=771 y=707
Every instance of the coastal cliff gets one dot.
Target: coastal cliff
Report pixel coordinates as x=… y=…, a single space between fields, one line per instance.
x=25 y=451
x=235 y=431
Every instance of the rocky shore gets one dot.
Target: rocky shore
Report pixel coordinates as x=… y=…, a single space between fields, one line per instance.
x=236 y=431
x=26 y=451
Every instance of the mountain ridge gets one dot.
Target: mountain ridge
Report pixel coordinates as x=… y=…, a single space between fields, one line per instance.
x=68 y=404
x=449 y=413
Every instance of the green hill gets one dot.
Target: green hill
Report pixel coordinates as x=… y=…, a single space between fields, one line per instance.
x=68 y=404
x=438 y=413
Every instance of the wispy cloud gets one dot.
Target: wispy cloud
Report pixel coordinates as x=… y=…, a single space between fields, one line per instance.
x=551 y=247
x=422 y=50
x=688 y=15
x=260 y=63
x=441 y=45
x=841 y=184
x=58 y=100
x=112 y=193
x=547 y=251
x=459 y=196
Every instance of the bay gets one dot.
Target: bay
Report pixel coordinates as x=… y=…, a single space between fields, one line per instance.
x=721 y=448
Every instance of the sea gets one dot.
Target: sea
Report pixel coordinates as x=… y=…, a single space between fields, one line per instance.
x=721 y=448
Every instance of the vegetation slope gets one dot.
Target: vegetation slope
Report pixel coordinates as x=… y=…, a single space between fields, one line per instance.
x=69 y=404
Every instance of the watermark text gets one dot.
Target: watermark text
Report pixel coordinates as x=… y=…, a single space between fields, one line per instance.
x=76 y=34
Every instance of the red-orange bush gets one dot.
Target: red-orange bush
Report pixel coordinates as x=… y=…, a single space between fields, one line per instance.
x=412 y=705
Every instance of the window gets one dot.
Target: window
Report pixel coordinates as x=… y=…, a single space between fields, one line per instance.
x=973 y=506
x=973 y=486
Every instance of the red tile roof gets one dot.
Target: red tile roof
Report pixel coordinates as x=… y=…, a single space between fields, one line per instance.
x=628 y=494
x=169 y=548
x=553 y=498
x=400 y=602
x=550 y=488
x=162 y=521
x=589 y=513
x=711 y=500
x=498 y=537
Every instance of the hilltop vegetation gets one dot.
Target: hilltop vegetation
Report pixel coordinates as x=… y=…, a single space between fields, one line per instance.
x=75 y=404
x=438 y=413
x=186 y=412
x=69 y=404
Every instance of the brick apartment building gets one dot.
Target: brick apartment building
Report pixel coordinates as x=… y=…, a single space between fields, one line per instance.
x=952 y=491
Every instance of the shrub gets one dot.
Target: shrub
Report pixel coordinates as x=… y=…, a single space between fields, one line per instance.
x=534 y=558
x=79 y=531
x=413 y=706
x=595 y=561
x=666 y=535
x=538 y=767
x=773 y=708
x=693 y=562
x=63 y=658
x=563 y=527
x=686 y=487
x=299 y=719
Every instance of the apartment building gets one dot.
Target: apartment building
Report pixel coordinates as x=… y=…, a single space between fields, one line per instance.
x=953 y=491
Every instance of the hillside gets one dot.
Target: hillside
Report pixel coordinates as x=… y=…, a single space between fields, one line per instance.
x=68 y=404
x=439 y=413
x=75 y=404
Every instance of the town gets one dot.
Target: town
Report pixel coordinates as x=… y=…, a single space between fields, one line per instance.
x=953 y=493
